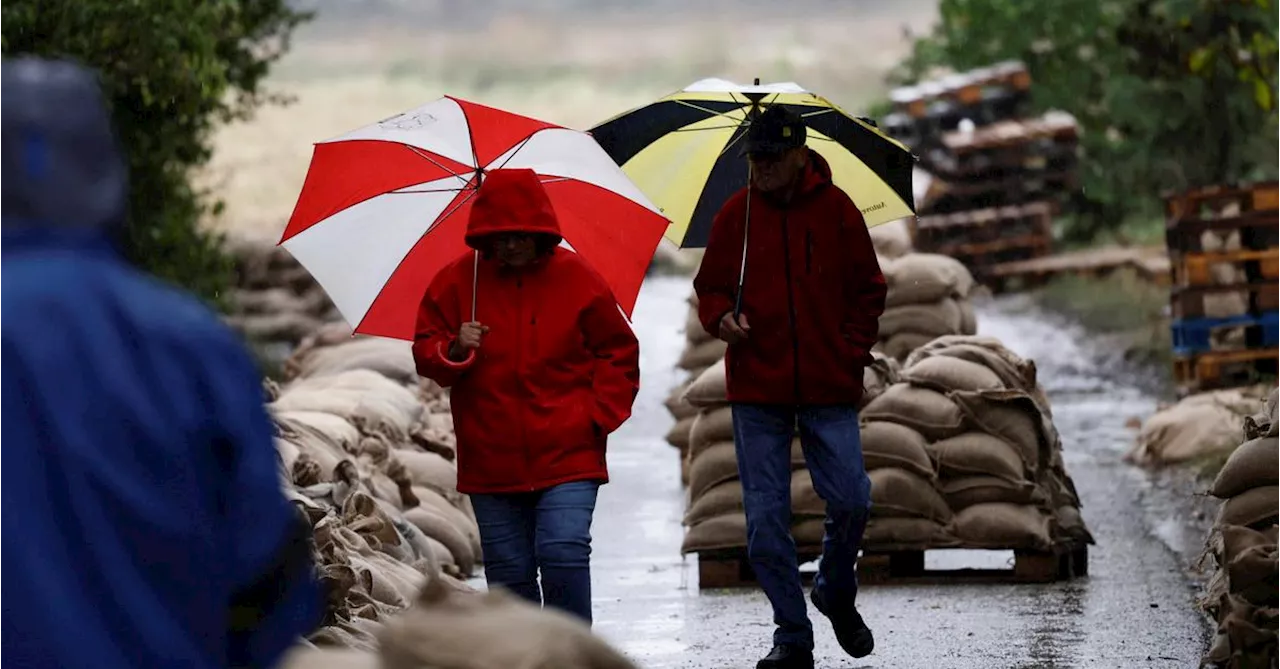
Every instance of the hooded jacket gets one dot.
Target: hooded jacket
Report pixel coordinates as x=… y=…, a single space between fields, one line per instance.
x=813 y=293
x=558 y=369
x=144 y=524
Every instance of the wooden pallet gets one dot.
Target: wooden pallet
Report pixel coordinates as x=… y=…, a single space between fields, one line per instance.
x=1207 y=203
x=1250 y=211
x=1223 y=369
x=1193 y=301
x=937 y=232
x=967 y=88
x=1195 y=269
x=906 y=566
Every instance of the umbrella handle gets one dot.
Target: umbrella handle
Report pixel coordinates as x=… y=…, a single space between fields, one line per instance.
x=742 y=268
x=475 y=282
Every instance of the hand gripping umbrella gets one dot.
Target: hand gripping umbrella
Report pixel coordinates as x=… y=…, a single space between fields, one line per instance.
x=385 y=207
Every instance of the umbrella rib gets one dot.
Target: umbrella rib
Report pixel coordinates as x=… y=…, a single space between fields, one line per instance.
x=516 y=150
x=427 y=156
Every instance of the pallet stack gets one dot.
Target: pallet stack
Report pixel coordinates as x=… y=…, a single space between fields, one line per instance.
x=1223 y=254
x=995 y=173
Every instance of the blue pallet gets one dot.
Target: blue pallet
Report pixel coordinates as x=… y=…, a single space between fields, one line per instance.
x=1192 y=335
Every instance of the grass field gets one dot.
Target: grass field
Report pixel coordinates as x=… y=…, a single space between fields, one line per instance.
x=553 y=60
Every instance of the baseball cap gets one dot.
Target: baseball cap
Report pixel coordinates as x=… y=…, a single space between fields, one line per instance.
x=775 y=130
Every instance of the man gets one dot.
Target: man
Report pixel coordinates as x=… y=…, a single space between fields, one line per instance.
x=143 y=521
x=798 y=342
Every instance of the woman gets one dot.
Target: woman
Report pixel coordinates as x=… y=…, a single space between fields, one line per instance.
x=541 y=373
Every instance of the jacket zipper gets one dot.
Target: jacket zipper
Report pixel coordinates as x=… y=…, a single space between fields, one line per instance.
x=791 y=307
x=520 y=374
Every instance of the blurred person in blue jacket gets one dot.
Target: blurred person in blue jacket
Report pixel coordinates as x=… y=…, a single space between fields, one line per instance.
x=143 y=520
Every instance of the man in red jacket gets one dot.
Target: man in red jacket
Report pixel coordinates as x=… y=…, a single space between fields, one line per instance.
x=546 y=369
x=808 y=317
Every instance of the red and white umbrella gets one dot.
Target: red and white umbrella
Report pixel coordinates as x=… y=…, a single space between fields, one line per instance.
x=385 y=207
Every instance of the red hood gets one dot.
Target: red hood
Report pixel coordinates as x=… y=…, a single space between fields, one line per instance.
x=816 y=176
x=511 y=201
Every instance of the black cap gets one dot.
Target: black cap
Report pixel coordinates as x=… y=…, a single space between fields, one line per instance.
x=775 y=130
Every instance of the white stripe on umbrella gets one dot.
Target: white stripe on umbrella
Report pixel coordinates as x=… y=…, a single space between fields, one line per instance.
x=570 y=154
x=361 y=246
x=439 y=126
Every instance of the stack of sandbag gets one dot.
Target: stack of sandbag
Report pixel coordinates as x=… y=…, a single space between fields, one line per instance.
x=963 y=452
x=1200 y=426
x=701 y=351
x=447 y=629
x=928 y=297
x=714 y=516
x=367 y=453
x=275 y=299
x=1242 y=594
x=892 y=240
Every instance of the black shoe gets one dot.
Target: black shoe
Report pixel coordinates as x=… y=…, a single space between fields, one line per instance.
x=787 y=657
x=852 y=633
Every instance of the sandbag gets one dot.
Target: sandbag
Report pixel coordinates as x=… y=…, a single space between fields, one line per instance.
x=977 y=454
x=886 y=444
x=1014 y=371
x=718 y=500
x=926 y=411
x=933 y=319
x=900 y=345
x=897 y=492
x=438 y=527
x=1255 y=506
x=1003 y=526
x=1070 y=524
x=716 y=465
x=1252 y=575
x=429 y=470
x=805 y=501
x=1255 y=463
x=944 y=374
x=727 y=531
x=390 y=357
x=708 y=390
x=329 y=658
x=1011 y=415
x=711 y=426
x=968 y=318
x=434 y=501
x=693 y=330
x=918 y=278
x=877 y=377
x=454 y=630
x=1232 y=540
x=281 y=326
x=969 y=490
x=701 y=355
x=679 y=433
x=316 y=426
x=886 y=533
x=1193 y=428
x=675 y=403
x=891 y=240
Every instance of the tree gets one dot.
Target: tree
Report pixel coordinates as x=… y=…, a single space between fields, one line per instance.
x=172 y=70
x=1169 y=94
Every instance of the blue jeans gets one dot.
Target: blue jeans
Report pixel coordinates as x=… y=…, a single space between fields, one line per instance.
x=832 y=444
x=547 y=532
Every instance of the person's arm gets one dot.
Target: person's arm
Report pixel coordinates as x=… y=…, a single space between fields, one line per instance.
x=866 y=285
x=275 y=597
x=434 y=352
x=717 y=280
x=616 y=380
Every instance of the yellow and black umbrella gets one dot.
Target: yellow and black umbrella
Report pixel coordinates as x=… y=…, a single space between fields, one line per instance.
x=682 y=151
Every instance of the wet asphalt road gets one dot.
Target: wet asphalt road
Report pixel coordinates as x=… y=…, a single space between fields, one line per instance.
x=1133 y=610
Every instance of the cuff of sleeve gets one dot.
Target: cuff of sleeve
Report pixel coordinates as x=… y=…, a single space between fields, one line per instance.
x=443 y=352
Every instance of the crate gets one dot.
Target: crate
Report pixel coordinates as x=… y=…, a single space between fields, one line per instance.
x=1200 y=335
x=1223 y=369
x=905 y=565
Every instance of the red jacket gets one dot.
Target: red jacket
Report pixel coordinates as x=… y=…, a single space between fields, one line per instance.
x=813 y=293
x=558 y=369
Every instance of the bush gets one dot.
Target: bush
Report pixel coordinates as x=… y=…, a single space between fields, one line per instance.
x=171 y=71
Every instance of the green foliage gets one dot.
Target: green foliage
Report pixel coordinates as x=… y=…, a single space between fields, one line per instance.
x=1170 y=94
x=172 y=70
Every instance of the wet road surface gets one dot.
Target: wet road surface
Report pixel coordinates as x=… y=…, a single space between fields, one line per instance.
x=1133 y=610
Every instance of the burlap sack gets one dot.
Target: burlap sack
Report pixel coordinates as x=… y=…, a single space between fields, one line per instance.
x=1011 y=415
x=1255 y=463
x=711 y=426
x=886 y=444
x=918 y=278
x=429 y=470
x=891 y=240
x=965 y=492
x=438 y=527
x=675 y=403
x=1196 y=427
x=945 y=373
x=1069 y=524
x=877 y=377
x=978 y=454
x=805 y=502
x=708 y=390
x=701 y=355
x=281 y=326
x=1264 y=423
x=1003 y=526
x=329 y=658
x=718 y=500
x=316 y=427
x=1014 y=371
x=496 y=630
x=1253 y=507
x=901 y=345
x=896 y=533
x=693 y=331
x=458 y=517
x=679 y=433
x=926 y=411
x=1252 y=575
x=933 y=319
x=727 y=531
x=968 y=318
x=715 y=465
x=897 y=492
x=390 y=357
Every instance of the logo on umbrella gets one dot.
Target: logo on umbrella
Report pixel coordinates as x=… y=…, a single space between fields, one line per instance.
x=409 y=121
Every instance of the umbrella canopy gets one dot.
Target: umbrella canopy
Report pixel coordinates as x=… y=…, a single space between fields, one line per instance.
x=385 y=207
x=683 y=152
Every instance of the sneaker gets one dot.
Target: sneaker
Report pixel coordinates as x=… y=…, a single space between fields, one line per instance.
x=852 y=633
x=787 y=657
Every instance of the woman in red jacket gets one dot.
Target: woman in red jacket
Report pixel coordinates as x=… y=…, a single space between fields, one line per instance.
x=545 y=370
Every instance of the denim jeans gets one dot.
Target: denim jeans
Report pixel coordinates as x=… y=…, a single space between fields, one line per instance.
x=547 y=532
x=832 y=446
